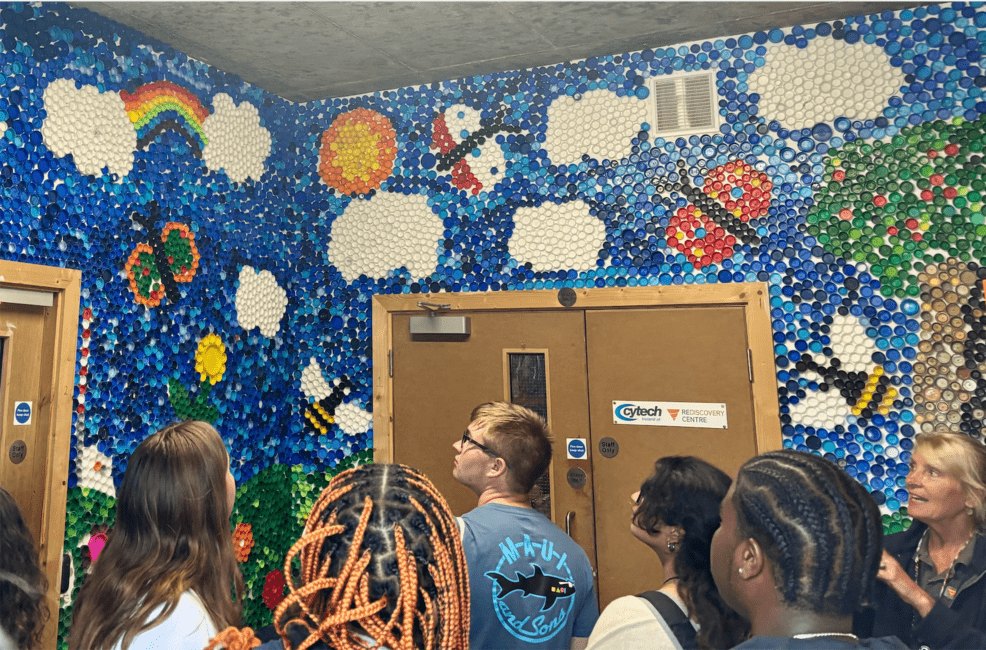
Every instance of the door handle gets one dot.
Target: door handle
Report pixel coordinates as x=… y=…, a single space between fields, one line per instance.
x=568 y=522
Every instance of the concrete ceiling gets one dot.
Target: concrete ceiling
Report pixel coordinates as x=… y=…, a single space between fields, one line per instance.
x=303 y=51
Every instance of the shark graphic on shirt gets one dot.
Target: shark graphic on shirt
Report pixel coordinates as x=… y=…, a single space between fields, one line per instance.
x=551 y=588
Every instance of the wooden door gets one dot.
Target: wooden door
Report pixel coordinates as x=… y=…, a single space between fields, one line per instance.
x=44 y=374
x=437 y=382
x=23 y=441
x=666 y=354
x=706 y=344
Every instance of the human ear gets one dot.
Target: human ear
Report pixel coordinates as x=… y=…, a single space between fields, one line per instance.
x=497 y=467
x=750 y=558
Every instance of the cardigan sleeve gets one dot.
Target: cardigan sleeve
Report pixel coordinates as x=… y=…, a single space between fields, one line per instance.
x=944 y=628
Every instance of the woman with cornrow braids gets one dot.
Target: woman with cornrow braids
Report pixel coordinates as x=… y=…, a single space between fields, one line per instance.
x=381 y=566
x=797 y=553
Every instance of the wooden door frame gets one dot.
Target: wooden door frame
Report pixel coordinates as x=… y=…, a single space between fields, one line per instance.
x=54 y=417
x=753 y=296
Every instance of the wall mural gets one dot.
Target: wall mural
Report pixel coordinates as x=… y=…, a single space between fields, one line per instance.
x=230 y=241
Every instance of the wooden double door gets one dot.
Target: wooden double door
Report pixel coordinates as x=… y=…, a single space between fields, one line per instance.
x=587 y=368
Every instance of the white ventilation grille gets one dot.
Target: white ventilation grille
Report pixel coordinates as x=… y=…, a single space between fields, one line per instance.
x=683 y=104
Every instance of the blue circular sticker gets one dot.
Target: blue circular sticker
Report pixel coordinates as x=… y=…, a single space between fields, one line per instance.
x=576 y=448
x=22 y=413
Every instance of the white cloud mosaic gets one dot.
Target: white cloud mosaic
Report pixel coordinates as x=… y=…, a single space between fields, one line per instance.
x=555 y=236
x=237 y=143
x=260 y=302
x=800 y=87
x=377 y=235
x=600 y=124
x=91 y=126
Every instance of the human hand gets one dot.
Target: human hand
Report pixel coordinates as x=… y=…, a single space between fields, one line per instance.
x=897 y=579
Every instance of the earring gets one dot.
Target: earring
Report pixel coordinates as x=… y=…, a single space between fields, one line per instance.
x=741 y=570
x=672 y=547
x=969 y=511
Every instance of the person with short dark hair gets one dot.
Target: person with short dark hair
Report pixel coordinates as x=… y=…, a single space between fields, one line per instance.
x=23 y=610
x=531 y=585
x=675 y=513
x=797 y=553
x=933 y=591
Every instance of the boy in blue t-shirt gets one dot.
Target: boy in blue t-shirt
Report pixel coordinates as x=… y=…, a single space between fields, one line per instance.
x=531 y=585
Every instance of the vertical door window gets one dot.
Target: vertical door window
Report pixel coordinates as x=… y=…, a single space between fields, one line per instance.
x=529 y=388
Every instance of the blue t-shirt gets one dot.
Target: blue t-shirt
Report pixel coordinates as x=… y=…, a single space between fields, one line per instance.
x=531 y=585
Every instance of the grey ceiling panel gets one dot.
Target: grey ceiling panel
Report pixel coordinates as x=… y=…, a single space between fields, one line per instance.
x=303 y=51
x=567 y=24
x=430 y=35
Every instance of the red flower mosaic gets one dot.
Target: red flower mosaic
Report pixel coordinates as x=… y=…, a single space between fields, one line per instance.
x=274 y=589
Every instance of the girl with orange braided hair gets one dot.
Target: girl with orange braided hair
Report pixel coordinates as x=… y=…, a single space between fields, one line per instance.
x=381 y=566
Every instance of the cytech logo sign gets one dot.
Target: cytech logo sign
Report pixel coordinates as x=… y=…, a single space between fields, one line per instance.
x=630 y=412
x=696 y=415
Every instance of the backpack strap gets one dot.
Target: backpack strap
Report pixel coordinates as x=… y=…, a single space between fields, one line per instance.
x=676 y=619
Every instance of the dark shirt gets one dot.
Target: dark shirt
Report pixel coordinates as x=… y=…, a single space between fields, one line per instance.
x=820 y=643
x=960 y=624
x=946 y=585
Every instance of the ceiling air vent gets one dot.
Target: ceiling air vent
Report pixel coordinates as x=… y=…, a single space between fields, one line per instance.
x=683 y=104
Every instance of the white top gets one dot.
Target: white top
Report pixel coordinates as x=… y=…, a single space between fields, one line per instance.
x=188 y=628
x=6 y=643
x=630 y=622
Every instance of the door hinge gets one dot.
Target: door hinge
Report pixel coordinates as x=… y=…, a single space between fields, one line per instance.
x=390 y=361
x=749 y=363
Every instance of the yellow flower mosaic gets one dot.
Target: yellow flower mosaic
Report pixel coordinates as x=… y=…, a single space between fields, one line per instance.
x=210 y=359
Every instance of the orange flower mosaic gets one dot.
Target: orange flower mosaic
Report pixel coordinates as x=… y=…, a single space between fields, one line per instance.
x=357 y=152
x=242 y=541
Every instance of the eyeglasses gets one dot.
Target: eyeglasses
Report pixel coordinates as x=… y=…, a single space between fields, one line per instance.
x=466 y=438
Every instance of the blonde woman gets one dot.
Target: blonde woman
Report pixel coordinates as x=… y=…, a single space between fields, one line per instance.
x=167 y=575
x=934 y=573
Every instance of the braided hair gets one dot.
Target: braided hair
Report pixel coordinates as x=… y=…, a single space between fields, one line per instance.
x=818 y=526
x=381 y=554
